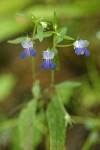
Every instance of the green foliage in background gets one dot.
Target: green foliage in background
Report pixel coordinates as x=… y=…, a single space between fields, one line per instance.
x=7 y=83
x=12 y=24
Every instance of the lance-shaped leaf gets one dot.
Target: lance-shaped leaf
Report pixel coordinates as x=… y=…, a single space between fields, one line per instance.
x=45 y=35
x=66 y=37
x=68 y=84
x=56 y=125
x=17 y=40
x=61 y=32
x=40 y=33
x=24 y=15
x=26 y=126
x=55 y=25
x=65 y=90
x=39 y=128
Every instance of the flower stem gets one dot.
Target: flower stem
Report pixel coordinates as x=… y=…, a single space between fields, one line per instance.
x=34 y=31
x=52 y=71
x=33 y=68
x=64 y=45
x=52 y=77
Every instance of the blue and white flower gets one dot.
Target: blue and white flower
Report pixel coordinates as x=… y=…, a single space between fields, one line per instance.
x=48 y=63
x=80 y=47
x=28 y=46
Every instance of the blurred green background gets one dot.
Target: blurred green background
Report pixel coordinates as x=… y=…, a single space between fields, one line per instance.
x=83 y=20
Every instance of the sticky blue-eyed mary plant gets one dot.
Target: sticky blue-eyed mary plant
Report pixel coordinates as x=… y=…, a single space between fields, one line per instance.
x=34 y=121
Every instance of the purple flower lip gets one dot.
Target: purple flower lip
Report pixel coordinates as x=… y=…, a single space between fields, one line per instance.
x=80 y=47
x=48 y=63
x=28 y=46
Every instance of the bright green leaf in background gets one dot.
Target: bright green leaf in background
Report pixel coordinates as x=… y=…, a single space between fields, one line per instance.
x=30 y=126
x=65 y=90
x=26 y=124
x=7 y=83
x=56 y=125
x=11 y=26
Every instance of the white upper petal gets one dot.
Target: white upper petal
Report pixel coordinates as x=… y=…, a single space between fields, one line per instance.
x=27 y=43
x=48 y=54
x=81 y=43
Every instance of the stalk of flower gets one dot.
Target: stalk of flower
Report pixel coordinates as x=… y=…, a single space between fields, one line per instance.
x=80 y=47
x=28 y=46
x=48 y=63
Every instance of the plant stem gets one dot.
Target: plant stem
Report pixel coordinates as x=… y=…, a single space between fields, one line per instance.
x=64 y=45
x=52 y=71
x=34 y=31
x=91 y=139
x=33 y=68
x=52 y=77
x=83 y=120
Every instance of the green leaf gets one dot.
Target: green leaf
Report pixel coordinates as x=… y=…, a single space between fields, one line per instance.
x=38 y=130
x=37 y=138
x=61 y=35
x=68 y=84
x=45 y=35
x=36 y=89
x=24 y=15
x=15 y=139
x=56 y=125
x=65 y=90
x=92 y=138
x=66 y=37
x=17 y=40
x=40 y=33
x=7 y=83
x=61 y=32
x=55 y=26
x=26 y=125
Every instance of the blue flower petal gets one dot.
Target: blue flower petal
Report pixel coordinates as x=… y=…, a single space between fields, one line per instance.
x=52 y=65
x=79 y=51
x=32 y=52
x=23 y=54
x=87 y=52
x=45 y=65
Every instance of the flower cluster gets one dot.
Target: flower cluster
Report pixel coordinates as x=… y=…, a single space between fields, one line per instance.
x=79 y=45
